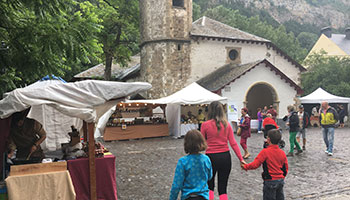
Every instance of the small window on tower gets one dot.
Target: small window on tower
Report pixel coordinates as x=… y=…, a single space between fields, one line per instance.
x=178 y=3
x=179 y=47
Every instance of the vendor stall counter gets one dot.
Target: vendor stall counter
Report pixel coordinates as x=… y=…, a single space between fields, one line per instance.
x=40 y=181
x=135 y=131
x=54 y=181
x=136 y=120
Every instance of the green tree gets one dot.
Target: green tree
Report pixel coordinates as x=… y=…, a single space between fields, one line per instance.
x=44 y=37
x=329 y=72
x=196 y=11
x=296 y=27
x=307 y=40
x=120 y=33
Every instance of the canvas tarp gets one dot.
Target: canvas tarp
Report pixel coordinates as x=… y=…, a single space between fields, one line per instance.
x=321 y=95
x=84 y=100
x=192 y=94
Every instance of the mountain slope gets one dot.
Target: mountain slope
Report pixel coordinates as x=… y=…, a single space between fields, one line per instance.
x=319 y=13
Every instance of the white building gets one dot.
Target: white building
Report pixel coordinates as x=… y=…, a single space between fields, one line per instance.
x=250 y=71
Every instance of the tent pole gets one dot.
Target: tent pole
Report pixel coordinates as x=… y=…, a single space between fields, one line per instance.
x=92 y=164
x=85 y=131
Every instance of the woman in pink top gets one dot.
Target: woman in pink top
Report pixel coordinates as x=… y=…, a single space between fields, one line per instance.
x=218 y=132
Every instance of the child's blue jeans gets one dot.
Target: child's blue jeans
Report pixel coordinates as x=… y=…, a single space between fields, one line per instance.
x=273 y=190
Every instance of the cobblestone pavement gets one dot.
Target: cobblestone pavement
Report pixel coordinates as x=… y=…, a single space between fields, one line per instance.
x=145 y=169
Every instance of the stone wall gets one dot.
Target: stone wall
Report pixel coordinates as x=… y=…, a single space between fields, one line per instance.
x=160 y=20
x=165 y=67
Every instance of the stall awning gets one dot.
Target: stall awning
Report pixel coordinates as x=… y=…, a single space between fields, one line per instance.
x=57 y=105
x=321 y=95
x=86 y=100
x=192 y=94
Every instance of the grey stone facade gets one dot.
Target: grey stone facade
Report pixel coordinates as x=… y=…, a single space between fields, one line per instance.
x=165 y=45
x=165 y=67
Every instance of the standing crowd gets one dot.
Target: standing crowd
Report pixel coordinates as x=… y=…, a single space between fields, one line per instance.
x=195 y=173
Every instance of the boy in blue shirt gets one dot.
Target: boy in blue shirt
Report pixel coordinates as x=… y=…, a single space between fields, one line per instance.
x=192 y=171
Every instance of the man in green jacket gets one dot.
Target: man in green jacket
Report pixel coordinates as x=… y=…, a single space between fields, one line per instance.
x=328 y=119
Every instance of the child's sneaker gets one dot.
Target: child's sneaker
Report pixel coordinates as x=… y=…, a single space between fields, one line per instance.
x=326 y=151
x=299 y=152
x=290 y=154
x=330 y=154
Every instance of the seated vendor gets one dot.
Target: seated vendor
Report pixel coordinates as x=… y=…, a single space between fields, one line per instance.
x=26 y=135
x=190 y=115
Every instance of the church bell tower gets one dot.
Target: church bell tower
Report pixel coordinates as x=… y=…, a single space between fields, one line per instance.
x=165 y=45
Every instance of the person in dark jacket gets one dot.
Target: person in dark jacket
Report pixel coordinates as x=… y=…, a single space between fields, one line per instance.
x=293 y=123
x=341 y=116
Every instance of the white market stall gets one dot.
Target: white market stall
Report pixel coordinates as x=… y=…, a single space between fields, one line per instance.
x=320 y=95
x=58 y=131
x=135 y=121
x=314 y=99
x=193 y=94
x=86 y=101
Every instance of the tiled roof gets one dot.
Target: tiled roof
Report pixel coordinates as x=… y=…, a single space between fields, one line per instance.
x=230 y=72
x=208 y=28
x=205 y=26
x=224 y=75
x=342 y=42
x=98 y=70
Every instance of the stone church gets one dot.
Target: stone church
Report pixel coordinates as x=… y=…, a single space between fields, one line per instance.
x=249 y=70
x=175 y=52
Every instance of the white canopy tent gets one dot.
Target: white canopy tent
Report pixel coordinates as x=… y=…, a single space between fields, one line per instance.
x=58 y=131
x=85 y=100
x=192 y=94
x=58 y=105
x=320 y=95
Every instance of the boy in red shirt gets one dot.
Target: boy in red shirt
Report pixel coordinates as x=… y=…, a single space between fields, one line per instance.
x=275 y=166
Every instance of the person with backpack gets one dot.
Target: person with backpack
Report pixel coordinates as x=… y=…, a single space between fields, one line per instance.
x=328 y=118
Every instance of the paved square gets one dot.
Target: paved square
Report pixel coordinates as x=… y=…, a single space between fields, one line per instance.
x=145 y=168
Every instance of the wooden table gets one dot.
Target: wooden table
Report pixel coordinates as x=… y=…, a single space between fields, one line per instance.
x=44 y=181
x=135 y=131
